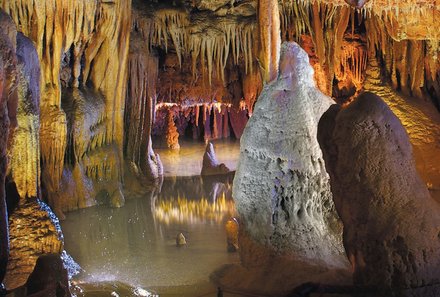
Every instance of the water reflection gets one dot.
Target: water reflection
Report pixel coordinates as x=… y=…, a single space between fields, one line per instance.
x=136 y=244
x=194 y=200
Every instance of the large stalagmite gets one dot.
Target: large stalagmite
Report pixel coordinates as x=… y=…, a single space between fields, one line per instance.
x=281 y=187
x=391 y=224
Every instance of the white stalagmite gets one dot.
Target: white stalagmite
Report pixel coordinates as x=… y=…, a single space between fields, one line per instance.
x=281 y=187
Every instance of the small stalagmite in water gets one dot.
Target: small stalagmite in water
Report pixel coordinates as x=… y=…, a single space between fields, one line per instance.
x=180 y=240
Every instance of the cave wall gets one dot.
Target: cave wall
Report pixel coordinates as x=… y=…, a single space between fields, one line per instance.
x=82 y=45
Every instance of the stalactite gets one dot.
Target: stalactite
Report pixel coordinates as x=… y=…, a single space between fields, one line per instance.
x=269 y=38
x=208 y=40
x=411 y=65
x=97 y=35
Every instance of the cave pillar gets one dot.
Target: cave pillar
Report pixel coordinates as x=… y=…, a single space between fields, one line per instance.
x=269 y=37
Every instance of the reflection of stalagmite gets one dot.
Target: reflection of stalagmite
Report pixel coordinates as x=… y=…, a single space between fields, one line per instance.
x=211 y=165
x=232 y=235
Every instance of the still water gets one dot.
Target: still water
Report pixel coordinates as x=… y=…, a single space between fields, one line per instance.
x=136 y=244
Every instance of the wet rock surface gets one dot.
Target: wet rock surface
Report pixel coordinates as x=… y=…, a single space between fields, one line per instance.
x=391 y=224
x=34 y=231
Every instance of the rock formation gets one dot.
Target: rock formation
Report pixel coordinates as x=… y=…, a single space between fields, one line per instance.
x=172 y=135
x=391 y=224
x=80 y=44
x=8 y=95
x=281 y=188
x=211 y=165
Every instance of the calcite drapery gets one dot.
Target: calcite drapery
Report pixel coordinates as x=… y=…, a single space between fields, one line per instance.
x=96 y=34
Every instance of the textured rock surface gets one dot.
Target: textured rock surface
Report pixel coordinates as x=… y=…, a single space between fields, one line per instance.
x=49 y=278
x=211 y=165
x=281 y=188
x=8 y=63
x=25 y=149
x=391 y=224
x=34 y=231
x=79 y=43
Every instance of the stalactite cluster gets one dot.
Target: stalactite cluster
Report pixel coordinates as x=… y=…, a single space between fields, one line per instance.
x=204 y=121
x=206 y=39
x=93 y=36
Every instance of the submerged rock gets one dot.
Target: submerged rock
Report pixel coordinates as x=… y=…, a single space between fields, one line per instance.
x=180 y=240
x=232 y=235
x=211 y=165
x=391 y=224
x=281 y=187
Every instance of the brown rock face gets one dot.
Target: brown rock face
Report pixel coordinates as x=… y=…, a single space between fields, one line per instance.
x=391 y=224
x=49 y=278
x=34 y=231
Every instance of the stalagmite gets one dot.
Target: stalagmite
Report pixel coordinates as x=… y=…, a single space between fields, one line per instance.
x=391 y=223
x=269 y=38
x=211 y=166
x=171 y=136
x=286 y=203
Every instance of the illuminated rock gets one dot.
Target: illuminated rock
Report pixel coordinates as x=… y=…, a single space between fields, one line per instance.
x=117 y=199
x=211 y=165
x=281 y=188
x=25 y=149
x=172 y=136
x=391 y=224
x=180 y=239
x=34 y=231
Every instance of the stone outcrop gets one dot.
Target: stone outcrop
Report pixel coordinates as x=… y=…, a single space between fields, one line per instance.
x=391 y=224
x=34 y=231
x=211 y=166
x=281 y=188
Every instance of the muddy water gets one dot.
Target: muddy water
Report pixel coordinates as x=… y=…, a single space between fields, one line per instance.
x=136 y=244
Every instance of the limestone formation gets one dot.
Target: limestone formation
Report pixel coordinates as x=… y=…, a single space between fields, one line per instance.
x=92 y=39
x=281 y=188
x=391 y=224
x=8 y=95
x=172 y=135
x=211 y=166
x=25 y=149
x=180 y=240
x=49 y=278
x=34 y=231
